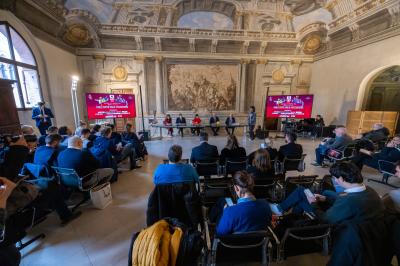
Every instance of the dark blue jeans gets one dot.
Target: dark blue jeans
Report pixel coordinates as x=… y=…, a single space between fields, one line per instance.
x=298 y=201
x=320 y=153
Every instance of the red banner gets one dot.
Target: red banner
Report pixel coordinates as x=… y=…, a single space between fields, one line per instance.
x=290 y=106
x=104 y=105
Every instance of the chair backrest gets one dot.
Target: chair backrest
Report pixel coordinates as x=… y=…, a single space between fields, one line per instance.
x=185 y=161
x=349 y=151
x=304 y=181
x=233 y=165
x=68 y=177
x=387 y=167
x=294 y=164
x=207 y=168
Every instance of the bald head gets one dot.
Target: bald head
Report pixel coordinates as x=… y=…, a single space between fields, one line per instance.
x=340 y=131
x=75 y=142
x=378 y=126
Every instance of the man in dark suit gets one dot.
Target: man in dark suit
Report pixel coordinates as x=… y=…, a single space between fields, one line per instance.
x=83 y=162
x=214 y=123
x=180 y=121
x=230 y=120
x=42 y=115
x=205 y=151
x=47 y=155
x=291 y=150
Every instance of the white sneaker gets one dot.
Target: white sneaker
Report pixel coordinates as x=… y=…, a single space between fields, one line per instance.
x=275 y=209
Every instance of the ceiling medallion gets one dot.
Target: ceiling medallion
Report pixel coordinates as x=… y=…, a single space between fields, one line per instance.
x=278 y=76
x=312 y=44
x=120 y=73
x=77 y=35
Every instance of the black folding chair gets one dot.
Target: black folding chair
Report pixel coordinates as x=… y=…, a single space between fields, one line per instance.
x=208 y=168
x=290 y=164
x=387 y=169
x=268 y=188
x=233 y=165
x=343 y=155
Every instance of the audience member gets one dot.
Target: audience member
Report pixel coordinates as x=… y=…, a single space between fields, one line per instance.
x=358 y=203
x=389 y=153
x=318 y=126
x=340 y=142
x=47 y=155
x=130 y=136
x=49 y=131
x=261 y=167
x=175 y=171
x=31 y=141
x=378 y=133
x=251 y=121
x=249 y=214
x=105 y=143
x=65 y=132
x=9 y=254
x=27 y=130
x=232 y=150
x=214 y=123
x=291 y=150
x=229 y=124
x=15 y=154
x=85 y=136
x=115 y=136
x=83 y=162
x=82 y=125
x=42 y=115
x=204 y=152
x=394 y=195
x=95 y=132
x=168 y=122
x=266 y=145
x=180 y=121
x=196 y=122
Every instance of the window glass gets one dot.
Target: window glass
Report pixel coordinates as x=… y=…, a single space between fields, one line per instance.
x=16 y=95
x=30 y=86
x=22 y=52
x=4 y=45
x=7 y=71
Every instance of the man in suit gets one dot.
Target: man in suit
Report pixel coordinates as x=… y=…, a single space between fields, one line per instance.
x=83 y=162
x=180 y=121
x=339 y=142
x=214 y=123
x=205 y=151
x=291 y=150
x=42 y=115
x=230 y=120
x=47 y=155
x=251 y=121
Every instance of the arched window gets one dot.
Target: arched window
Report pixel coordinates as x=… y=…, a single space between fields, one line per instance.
x=18 y=63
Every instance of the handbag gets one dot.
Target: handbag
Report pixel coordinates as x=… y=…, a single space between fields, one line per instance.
x=21 y=196
x=101 y=196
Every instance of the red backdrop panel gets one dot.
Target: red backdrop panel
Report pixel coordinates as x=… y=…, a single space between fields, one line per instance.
x=290 y=106
x=105 y=105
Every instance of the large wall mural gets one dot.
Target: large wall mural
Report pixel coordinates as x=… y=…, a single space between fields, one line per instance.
x=202 y=87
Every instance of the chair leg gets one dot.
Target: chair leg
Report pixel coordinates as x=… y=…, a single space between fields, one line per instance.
x=325 y=246
x=84 y=200
x=384 y=180
x=264 y=254
x=22 y=245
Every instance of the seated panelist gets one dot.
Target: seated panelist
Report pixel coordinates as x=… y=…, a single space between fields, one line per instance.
x=196 y=122
x=229 y=122
x=180 y=121
x=214 y=123
x=168 y=122
x=175 y=171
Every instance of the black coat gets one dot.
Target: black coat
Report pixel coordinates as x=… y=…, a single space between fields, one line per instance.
x=291 y=150
x=228 y=122
x=204 y=152
x=179 y=201
x=214 y=119
x=180 y=120
x=237 y=153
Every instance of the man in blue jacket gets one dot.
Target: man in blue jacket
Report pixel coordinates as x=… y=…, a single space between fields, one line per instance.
x=47 y=155
x=205 y=151
x=83 y=162
x=251 y=120
x=42 y=115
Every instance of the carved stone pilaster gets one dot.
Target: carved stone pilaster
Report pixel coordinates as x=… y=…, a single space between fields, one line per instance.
x=158 y=61
x=245 y=47
x=394 y=12
x=158 y=44
x=214 y=44
x=192 y=45
x=355 y=31
x=263 y=47
x=139 y=43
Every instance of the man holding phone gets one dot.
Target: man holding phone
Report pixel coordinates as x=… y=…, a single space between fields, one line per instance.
x=358 y=202
x=42 y=115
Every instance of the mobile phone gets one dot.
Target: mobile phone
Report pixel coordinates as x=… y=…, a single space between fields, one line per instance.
x=308 y=193
x=229 y=201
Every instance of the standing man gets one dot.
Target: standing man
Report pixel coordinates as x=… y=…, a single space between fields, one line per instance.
x=251 y=120
x=42 y=115
x=214 y=123
x=229 y=123
x=180 y=121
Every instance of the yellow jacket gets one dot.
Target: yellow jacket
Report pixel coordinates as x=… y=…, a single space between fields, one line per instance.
x=157 y=245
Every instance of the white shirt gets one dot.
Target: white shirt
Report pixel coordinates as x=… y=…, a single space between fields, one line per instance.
x=355 y=189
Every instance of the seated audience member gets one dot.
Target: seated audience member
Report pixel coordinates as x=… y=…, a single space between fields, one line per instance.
x=318 y=125
x=31 y=141
x=105 y=143
x=115 y=136
x=85 y=137
x=389 y=153
x=266 y=145
x=95 y=132
x=27 y=130
x=378 y=133
x=205 y=151
x=49 y=131
x=83 y=162
x=15 y=154
x=168 y=122
x=129 y=136
x=229 y=124
x=232 y=150
x=47 y=155
x=175 y=171
x=180 y=121
x=393 y=201
x=78 y=130
x=9 y=254
x=214 y=123
x=65 y=132
x=261 y=167
x=291 y=150
x=358 y=203
x=340 y=142
x=196 y=122
x=249 y=214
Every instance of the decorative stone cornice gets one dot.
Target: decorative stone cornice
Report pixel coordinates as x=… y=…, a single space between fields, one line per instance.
x=261 y=61
x=99 y=56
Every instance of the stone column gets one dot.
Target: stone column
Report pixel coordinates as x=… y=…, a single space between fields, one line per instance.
x=243 y=74
x=239 y=20
x=158 y=85
x=170 y=14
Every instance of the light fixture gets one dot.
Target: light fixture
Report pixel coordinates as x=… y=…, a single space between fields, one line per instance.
x=75 y=78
